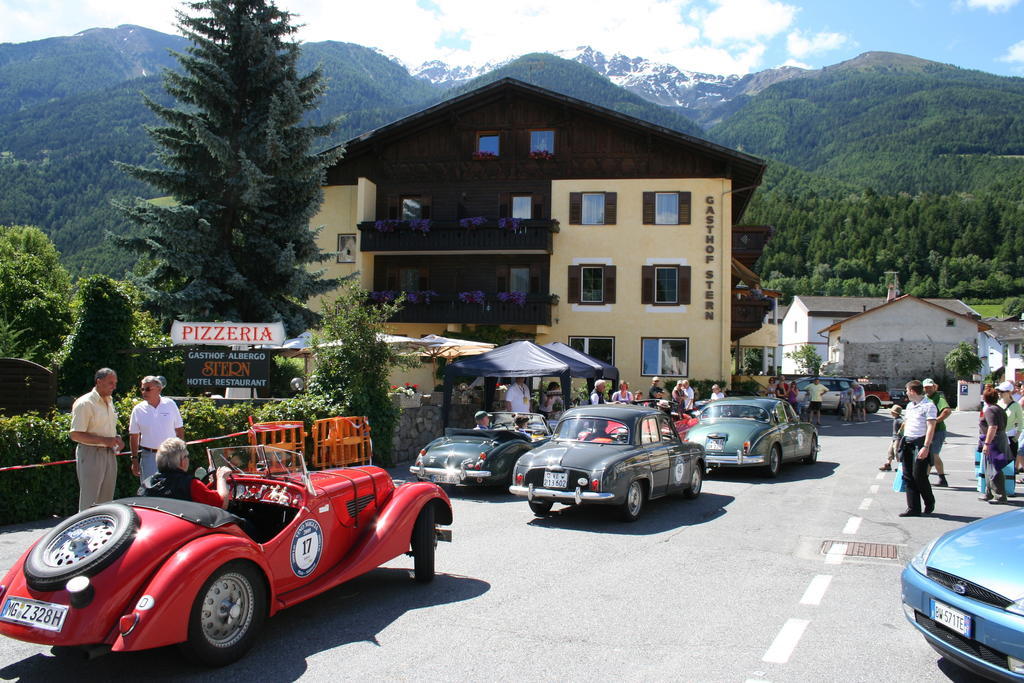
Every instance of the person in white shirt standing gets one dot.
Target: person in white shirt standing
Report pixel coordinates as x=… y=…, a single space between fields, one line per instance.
x=518 y=396
x=154 y=419
x=919 y=419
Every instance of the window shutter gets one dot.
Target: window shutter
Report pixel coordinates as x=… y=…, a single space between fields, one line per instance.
x=684 y=208
x=684 y=284
x=538 y=207
x=501 y=278
x=647 y=284
x=392 y=279
x=535 y=278
x=393 y=206
x=504 y=205
x=574 y=285
x=424 y=206
x=649 y=208
x=611 y=203
x=609 y=283
x=575 y=208
x=424 y=279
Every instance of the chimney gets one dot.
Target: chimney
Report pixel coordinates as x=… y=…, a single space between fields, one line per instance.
x=891 y=295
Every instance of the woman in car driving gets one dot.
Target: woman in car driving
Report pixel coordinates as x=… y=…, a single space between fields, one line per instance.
x=172 y=479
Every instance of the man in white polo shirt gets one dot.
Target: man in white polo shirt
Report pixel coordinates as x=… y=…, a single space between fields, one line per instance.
x=919 y=419
x=154 y=420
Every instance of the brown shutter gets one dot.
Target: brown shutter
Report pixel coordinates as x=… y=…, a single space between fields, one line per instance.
x=504 y=205
x=573 y=296
x=501 y=278
x=575 y=208
x=424 y=206
x=424 y=278
x=393 y=206
x=535 y=272
x=609 y=283
x=684 y=284
x=611 y=202
x=392 y=279
x=647 y=284
x=538 y=207
x=649 y=217
x=684 y=208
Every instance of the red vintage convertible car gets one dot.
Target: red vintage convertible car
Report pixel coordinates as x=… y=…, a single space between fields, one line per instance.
x=146 y=572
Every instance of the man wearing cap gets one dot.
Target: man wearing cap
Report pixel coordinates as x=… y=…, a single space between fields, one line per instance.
x=656 y=391
x=154 y=419
x=943 y=410
x=483 y=419
x=1014 y=415
x=94 y=429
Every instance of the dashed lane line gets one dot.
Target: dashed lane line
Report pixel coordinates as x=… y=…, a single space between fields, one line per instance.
x=873 y=489
x=865 y=504
x=835 y=553
x=786 y=641
x=852 y=525
x=816 y=590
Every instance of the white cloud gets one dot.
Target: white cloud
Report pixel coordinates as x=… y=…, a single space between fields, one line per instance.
x=798 y=64
x=1014 y=54
x=992 y=5
x=800 y=44
x=747 y=20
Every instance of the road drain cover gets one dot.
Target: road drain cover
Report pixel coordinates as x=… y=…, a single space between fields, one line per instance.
x=885 y=551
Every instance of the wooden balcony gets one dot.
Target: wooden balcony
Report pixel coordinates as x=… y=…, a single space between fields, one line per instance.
x=532 y=235
x=446 y=308
x=748 y=316
x=749 y=241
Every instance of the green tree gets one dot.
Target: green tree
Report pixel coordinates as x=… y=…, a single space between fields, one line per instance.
x=807 y=360
x=963 y=361
x=236 y=243
x=353 y=363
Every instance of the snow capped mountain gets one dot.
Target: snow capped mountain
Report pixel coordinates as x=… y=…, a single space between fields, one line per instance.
x=439 y=73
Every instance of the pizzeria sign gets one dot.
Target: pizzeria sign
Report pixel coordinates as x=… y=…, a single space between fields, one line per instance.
x=227 y=334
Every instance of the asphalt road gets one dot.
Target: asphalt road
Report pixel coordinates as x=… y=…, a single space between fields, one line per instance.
x=730 y=587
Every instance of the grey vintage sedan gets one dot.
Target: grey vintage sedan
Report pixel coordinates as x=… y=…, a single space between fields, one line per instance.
x=620 y=455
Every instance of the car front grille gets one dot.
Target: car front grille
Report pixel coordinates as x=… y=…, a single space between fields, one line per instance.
x=970 y=589
x=971 y=647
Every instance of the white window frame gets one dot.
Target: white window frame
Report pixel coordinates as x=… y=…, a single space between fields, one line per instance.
x=675 y=208
x=661 y=371
x=350 y=247
x=529 y=206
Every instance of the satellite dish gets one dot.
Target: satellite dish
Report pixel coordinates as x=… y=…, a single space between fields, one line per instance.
x=297 y=384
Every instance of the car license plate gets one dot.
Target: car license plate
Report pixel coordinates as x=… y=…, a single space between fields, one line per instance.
x=714 y=445
x=951 y=618
x=446 y=478
x=44 y=615
x=555 y=480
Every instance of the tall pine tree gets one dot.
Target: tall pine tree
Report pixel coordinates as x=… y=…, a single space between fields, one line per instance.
x=237 y=160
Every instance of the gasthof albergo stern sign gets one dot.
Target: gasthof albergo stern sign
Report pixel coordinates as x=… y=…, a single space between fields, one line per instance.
x=239 y=367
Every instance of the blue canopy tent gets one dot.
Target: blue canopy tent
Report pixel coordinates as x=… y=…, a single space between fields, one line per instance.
x=609 y=372
x=517 y=359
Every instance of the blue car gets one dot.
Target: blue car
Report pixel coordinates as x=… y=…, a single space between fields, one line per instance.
x=964 y=592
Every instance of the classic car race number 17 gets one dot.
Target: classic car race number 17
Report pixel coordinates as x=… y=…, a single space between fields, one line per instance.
x=307 y=543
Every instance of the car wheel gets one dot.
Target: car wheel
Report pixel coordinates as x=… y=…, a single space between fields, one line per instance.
x=634 y=503
x=696 y=481
x=872 y=404
x=813 y=457
x=227 y=613
x=424 y=542
x=83 y=545
x=774 y=462
x=541 y=508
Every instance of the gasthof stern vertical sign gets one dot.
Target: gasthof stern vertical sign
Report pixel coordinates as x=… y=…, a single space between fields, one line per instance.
x=239 y=367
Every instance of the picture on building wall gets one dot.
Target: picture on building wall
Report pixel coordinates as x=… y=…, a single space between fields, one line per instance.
x=668 y=357
x=346 y=248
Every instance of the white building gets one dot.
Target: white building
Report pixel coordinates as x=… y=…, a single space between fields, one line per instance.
x=1009 y=336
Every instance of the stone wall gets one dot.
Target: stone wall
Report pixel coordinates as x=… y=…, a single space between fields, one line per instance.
x=419 y=425
x=897 y=362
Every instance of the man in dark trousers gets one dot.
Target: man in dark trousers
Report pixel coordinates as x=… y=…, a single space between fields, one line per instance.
x=919 y=420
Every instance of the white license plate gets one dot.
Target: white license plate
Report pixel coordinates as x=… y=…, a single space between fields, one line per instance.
x=44 y=615
x=446 y=478
x=951 y=618
x=714 y=445
x=555 y=480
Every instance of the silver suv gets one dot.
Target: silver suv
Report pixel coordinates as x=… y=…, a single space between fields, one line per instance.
x=835 y=386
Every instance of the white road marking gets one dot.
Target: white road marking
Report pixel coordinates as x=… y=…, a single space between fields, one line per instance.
x=835 y=553
x=852 y=525
x=816 y=591
x=880 y=475
x=864 y=505
x=782 y=647
x=873 y=489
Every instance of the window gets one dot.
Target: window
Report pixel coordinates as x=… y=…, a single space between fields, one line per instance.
x=601 y=348
x=664 y=357
x=950 y=322
x=522 y=206
x=519 y=279
x=542 y=141
x=649 y=432
x=666 y=208
x=592 y=208
x=488 y=144
x=412 y=209
x=346 y=248
x=667 y=285
x=592 y=285
x=409 y=279
x=873 y=358
x=406 y=279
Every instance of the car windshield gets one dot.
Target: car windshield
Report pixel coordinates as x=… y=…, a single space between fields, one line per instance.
x=536 y=425
x=739 y=410
x=264 y=461
x=592 y=429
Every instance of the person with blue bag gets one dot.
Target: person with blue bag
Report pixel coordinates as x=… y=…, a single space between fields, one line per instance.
x=994 y=447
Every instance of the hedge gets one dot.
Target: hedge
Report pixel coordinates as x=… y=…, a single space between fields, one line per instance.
x=28 y=495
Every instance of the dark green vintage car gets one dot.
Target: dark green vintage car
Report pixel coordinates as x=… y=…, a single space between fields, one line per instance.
x=754 y=432
x=482 y=457
x=620 y=455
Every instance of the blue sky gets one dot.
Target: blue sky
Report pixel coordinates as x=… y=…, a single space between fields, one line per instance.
x=716 y=36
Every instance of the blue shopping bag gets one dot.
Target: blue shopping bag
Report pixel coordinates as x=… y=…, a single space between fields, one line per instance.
x=898 y=485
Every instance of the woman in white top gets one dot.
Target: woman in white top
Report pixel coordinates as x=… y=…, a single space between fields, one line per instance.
x=623 y=395
x=716 y=392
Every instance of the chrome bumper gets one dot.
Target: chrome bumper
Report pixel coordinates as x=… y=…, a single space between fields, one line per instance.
x=737 y=460
x=577 y=496
x=448 y=473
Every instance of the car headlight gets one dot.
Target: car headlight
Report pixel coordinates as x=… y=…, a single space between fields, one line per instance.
x=1017 y=608
x=921 y=559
